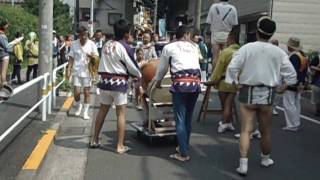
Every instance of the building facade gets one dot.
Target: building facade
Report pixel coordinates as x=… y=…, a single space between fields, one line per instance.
x=106 y=13
x=300 y=19
x=293 y=17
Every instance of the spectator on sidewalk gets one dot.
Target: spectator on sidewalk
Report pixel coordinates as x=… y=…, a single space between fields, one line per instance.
x=98 y=40
x=182 y=56
x=18 y=59
x=137 y=82
x=55 y=49
x=227 y=92
x=116 y=65
x=62 y=50
x=4 y=52
x=82 y=52
x=148 y=48
x=257 y=68
x=32 y=53
x=222 y=17
x=292 y=95
x=315 y=70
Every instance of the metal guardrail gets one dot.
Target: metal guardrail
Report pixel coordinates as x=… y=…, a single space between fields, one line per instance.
x=48 y=96
x=52 y=97
x=42 y=101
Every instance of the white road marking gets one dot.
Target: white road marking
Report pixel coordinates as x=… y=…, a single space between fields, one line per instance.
x=303 y=116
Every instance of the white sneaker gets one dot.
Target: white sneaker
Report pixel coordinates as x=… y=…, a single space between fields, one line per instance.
x=274 y=111
x=266 y=161
x=78 y=112
x=86 y=110
x=256 y=134
x=86 y=116
x=243 y=166
x=230 y=127
x=237 y=136
x=222 y=127
x=98 y=91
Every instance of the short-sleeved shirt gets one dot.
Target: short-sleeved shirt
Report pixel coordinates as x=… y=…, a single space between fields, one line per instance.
x=79 y=54
x=222 y=17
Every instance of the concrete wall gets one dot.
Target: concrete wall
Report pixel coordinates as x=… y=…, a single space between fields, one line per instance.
x=298 y=18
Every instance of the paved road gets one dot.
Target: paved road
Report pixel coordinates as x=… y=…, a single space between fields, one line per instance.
x=213 y=156
x=16 y=148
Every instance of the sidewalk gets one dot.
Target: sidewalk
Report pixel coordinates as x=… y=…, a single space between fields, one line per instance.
x=213 y=156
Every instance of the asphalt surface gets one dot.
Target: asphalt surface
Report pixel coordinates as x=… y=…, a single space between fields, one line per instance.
x=19 y=144
x=214 y=156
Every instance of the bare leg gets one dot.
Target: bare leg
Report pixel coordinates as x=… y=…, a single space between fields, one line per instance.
x=136 y=95
x=227 y=110
x=103 y=111
x=77 y=92
x=248 y=114
x=4 y=69
x=265 y=125
x=222 y=97
x=86 y=95
x=121 y=116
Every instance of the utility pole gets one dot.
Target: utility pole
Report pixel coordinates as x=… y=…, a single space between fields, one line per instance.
x=45 y=49
x=91 y=17
x=197 y=15
x=155 y=16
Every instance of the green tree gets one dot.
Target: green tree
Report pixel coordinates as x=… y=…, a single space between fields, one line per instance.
x=62 y=21
x=19 y=19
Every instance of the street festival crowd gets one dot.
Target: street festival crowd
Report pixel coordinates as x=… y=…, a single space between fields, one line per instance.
x=256 y=71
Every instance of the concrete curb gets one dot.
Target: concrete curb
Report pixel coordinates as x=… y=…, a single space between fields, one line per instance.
x=26 y=174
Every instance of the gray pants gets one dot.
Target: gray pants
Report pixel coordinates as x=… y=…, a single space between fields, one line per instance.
x=292 y=108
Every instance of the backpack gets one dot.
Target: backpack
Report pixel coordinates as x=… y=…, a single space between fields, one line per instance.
x=304 y=62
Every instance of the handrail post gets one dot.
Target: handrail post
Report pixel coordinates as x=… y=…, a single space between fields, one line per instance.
x=50 y=86
x=44 y=93
x=54 y=79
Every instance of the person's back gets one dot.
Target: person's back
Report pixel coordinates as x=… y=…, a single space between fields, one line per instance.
x=222 y=17
x=261 y=63
x=113 y=59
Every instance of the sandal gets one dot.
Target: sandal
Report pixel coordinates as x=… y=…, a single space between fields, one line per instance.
x=94 y=145
x=123 y=150
x=179 y=157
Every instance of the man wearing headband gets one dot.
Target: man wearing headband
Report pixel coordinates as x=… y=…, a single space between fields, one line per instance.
x=258 y=68
x=82 y=52
x=222 y=17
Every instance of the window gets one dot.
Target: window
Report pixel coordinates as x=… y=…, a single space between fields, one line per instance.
x=113 y=18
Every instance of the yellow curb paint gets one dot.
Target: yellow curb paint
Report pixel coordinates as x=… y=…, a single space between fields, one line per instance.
x=39 y=152
x=67 y=105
